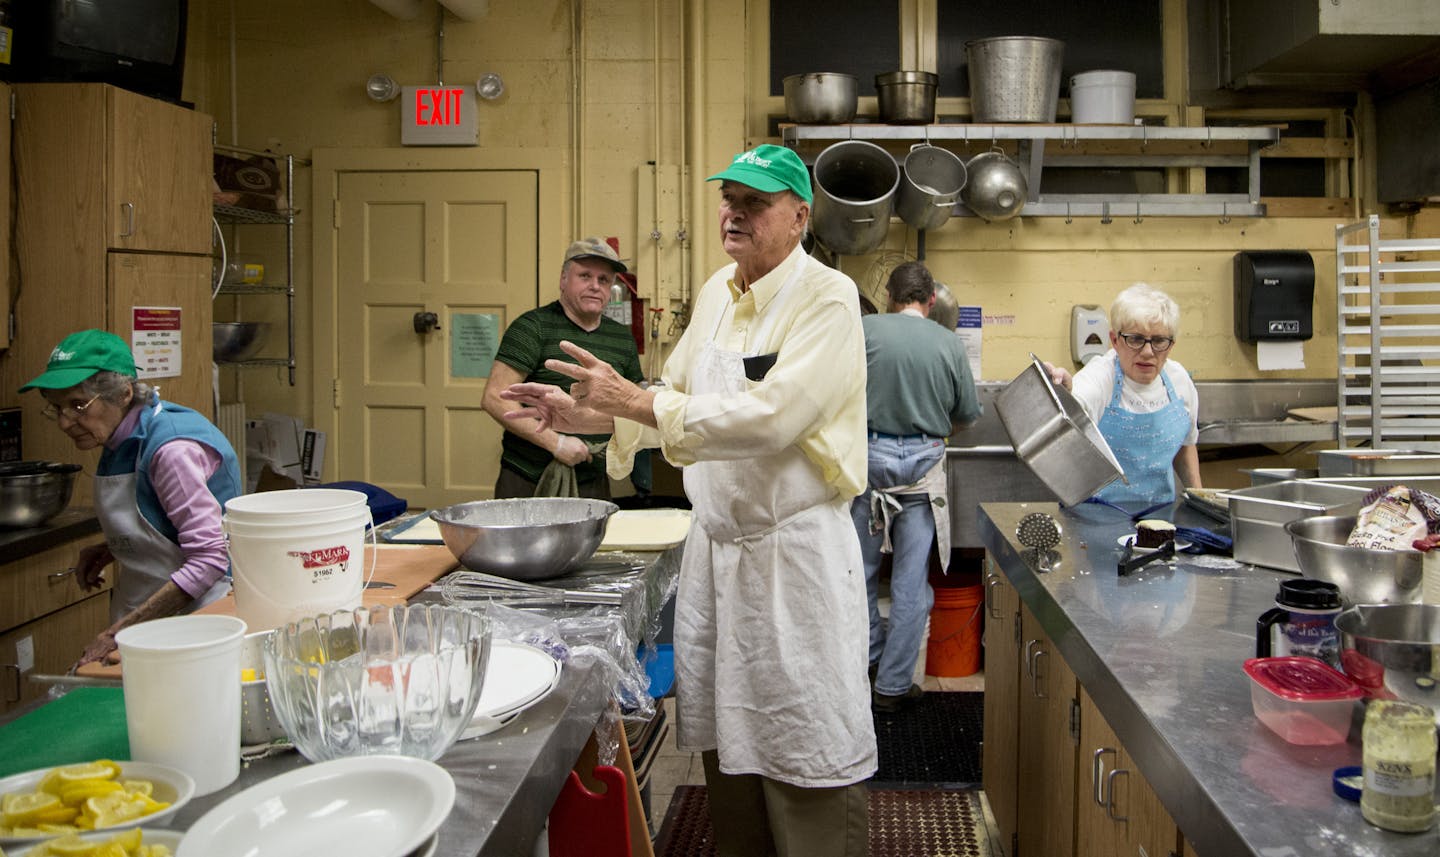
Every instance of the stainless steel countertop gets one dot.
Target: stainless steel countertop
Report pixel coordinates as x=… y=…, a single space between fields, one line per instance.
x=1160 y=651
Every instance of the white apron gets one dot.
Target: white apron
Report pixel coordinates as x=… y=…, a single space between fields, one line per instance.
x=771 y=623
x=935 y=484
x=146 y=558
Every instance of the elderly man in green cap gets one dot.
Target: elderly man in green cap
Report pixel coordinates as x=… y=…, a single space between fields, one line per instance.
x=763 y=407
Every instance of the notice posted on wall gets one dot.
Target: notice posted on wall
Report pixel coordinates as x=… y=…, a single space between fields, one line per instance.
x=968 y=328
x=155 y=341
x=474 y=339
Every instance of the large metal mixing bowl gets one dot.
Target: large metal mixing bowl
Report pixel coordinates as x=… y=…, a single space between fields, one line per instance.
x=233 y=341
x=33 y=492
x=1365 y=576
x=524 y=539
x=1393 y=651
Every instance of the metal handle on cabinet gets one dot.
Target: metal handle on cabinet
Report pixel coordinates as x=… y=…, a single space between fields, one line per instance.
x=129 y=228
x=15 y=668
x=1096 y=790
x=56 y=576
x=990 y=583
x=1030 y=657
x=1110 y=798
x=1035 y=676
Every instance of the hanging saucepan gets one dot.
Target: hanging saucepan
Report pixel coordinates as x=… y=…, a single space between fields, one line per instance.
x=996 y=189
x=933 y=179
x=855 y=186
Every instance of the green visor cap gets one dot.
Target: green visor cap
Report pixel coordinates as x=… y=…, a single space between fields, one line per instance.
x=80 y=355
x=770 y=169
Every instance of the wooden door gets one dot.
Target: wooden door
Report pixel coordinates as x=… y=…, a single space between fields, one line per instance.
x=1046 y=797
x=158 y=175
x=49 y=645
x=1002 y=702
x=462 y=245
x=1103 y=773
x=168 y=282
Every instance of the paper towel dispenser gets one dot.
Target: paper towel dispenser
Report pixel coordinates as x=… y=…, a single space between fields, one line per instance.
x=1274 y=295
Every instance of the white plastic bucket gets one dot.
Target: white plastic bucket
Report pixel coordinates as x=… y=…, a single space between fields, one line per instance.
x=295 y=506
x=1102 y=98
x=283 y=569
x=182 y=695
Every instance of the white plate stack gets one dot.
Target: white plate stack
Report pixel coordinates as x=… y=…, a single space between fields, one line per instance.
x=518 y=676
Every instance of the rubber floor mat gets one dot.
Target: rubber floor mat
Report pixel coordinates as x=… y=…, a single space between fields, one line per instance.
x=903 y=823
x=935 y=741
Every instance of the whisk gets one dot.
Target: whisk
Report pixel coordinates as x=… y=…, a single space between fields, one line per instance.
x=463 y=586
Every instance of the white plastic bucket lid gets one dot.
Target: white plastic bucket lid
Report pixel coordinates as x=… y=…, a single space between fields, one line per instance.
x=268 y=505
x=1103 y=77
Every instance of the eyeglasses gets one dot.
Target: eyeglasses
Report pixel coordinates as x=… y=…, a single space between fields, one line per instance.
x=1158 y=344
x=53 y=412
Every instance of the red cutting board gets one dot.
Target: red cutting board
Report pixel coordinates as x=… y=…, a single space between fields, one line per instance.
x=410 y=568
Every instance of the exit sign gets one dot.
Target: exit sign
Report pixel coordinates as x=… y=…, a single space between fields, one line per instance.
x=438 y=116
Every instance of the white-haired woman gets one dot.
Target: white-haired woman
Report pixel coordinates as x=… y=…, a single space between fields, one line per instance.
x=164 y=475
x=1143 y=402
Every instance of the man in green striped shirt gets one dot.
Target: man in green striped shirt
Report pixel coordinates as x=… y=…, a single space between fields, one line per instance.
x=585 y=279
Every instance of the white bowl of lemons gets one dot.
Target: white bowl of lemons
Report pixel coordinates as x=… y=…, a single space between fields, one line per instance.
x=90 y=796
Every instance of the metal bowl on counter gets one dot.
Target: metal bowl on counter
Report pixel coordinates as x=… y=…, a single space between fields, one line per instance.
x=1364 y=575
x=1389 y=650
x=533 y=538
x=33 y=492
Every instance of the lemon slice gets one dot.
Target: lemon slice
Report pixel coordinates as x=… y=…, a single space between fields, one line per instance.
x=70 y=846
x=117 y=808
x=80 y=791
x=100 y=769
x=23 y=810
x=143 y=787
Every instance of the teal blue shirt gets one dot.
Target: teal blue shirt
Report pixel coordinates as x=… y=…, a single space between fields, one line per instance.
x=919 y=377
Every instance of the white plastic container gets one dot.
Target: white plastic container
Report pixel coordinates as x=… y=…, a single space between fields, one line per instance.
x=1302 y=700
x=1102 y=98
x=182 y=695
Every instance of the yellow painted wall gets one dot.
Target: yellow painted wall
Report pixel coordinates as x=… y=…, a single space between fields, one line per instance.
x=640 y=134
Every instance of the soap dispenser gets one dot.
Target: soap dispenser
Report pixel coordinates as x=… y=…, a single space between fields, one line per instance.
x=1089 y=333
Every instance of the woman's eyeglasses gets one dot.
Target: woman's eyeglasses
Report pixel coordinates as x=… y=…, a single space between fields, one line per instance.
x=53 y=412
x=1158 y=344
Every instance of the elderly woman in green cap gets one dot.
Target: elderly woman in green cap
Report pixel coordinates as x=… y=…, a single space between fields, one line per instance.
x=164 y=475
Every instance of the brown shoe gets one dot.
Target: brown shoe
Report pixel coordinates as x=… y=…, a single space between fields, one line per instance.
x=883 y=703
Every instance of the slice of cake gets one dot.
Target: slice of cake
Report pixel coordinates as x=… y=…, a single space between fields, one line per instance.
x=1152 y=533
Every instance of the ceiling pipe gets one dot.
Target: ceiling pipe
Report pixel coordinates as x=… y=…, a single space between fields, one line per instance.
x=467 y=10
x=405 y=10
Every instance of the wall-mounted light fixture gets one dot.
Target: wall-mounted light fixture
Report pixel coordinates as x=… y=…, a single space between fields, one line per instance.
x=490 y=86
x=382 y=88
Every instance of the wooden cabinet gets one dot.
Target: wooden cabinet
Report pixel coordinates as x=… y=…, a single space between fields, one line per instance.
x=112 y=214
x=46 y=619
x=1117 y=812
x=1002 y=704
x=6 y=195
x=1046 y=765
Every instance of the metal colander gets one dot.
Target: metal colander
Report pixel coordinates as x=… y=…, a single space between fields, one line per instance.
x=1014 y=78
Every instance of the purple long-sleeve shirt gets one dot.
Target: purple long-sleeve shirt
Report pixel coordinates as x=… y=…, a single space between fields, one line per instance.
x=179 y=472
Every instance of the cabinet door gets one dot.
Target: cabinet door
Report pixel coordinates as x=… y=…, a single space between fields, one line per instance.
x=51 y=643
x=158 y=175
x=182 y=282
x=43 y=583
x=1098 y=830
x=1002 y=702
x=1047 y=748
x=1150 y=829
x=6 y=194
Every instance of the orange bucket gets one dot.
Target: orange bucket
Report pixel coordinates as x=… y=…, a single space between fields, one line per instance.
x=953 y=649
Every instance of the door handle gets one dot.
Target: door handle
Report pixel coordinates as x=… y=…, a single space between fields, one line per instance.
x=129 y=228
x=426 y=322
x=57 y=576
x=1035 y=676
x=1097 y=789
x=1030 y=656
x=990 y=584
x=1110 y=794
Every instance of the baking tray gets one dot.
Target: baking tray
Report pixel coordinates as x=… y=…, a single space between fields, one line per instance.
x=1377 y=462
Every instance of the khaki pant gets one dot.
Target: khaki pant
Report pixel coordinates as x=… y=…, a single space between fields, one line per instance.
x=754 y=816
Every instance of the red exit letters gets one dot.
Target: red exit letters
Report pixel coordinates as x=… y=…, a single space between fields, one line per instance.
x=438 y=106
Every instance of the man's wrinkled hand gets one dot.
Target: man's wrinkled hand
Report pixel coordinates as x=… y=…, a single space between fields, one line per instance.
x=571 y=450
x=597 y=385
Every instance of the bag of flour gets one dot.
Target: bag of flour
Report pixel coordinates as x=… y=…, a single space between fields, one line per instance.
x=1394 y=518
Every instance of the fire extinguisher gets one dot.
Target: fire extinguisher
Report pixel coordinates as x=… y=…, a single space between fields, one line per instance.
x=626 y=306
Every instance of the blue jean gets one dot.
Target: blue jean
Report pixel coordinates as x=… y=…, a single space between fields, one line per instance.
x=895 y=646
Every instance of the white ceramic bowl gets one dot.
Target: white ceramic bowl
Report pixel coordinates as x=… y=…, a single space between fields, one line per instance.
x=371 y=805
x=171 y=786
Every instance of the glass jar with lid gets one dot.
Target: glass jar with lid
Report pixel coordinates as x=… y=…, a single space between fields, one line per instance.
x=1399 y=755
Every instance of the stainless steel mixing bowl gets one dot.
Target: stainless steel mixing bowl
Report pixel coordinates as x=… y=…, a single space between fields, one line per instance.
x=1393 y=651
x=232 y=341
x=33 y=492
x=1365 y=576
x=524 y=539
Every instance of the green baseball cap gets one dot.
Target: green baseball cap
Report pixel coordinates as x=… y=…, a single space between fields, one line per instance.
x=80 y=355
x=771 y=169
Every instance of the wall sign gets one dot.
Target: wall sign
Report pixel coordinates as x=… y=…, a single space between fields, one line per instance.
x=474 y=339
x=438 y=116
x=155 y=341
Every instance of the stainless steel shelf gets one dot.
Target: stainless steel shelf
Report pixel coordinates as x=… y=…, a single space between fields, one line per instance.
x=1032 y=157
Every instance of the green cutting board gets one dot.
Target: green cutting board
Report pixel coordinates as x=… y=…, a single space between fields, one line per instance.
x=85 y=724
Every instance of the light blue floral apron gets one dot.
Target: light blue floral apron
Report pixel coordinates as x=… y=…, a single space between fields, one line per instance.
x=1145 y=445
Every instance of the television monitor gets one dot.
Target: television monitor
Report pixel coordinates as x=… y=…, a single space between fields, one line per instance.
x=134 y=44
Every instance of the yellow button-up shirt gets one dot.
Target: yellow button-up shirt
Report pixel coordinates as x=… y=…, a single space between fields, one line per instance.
x=814 y=395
